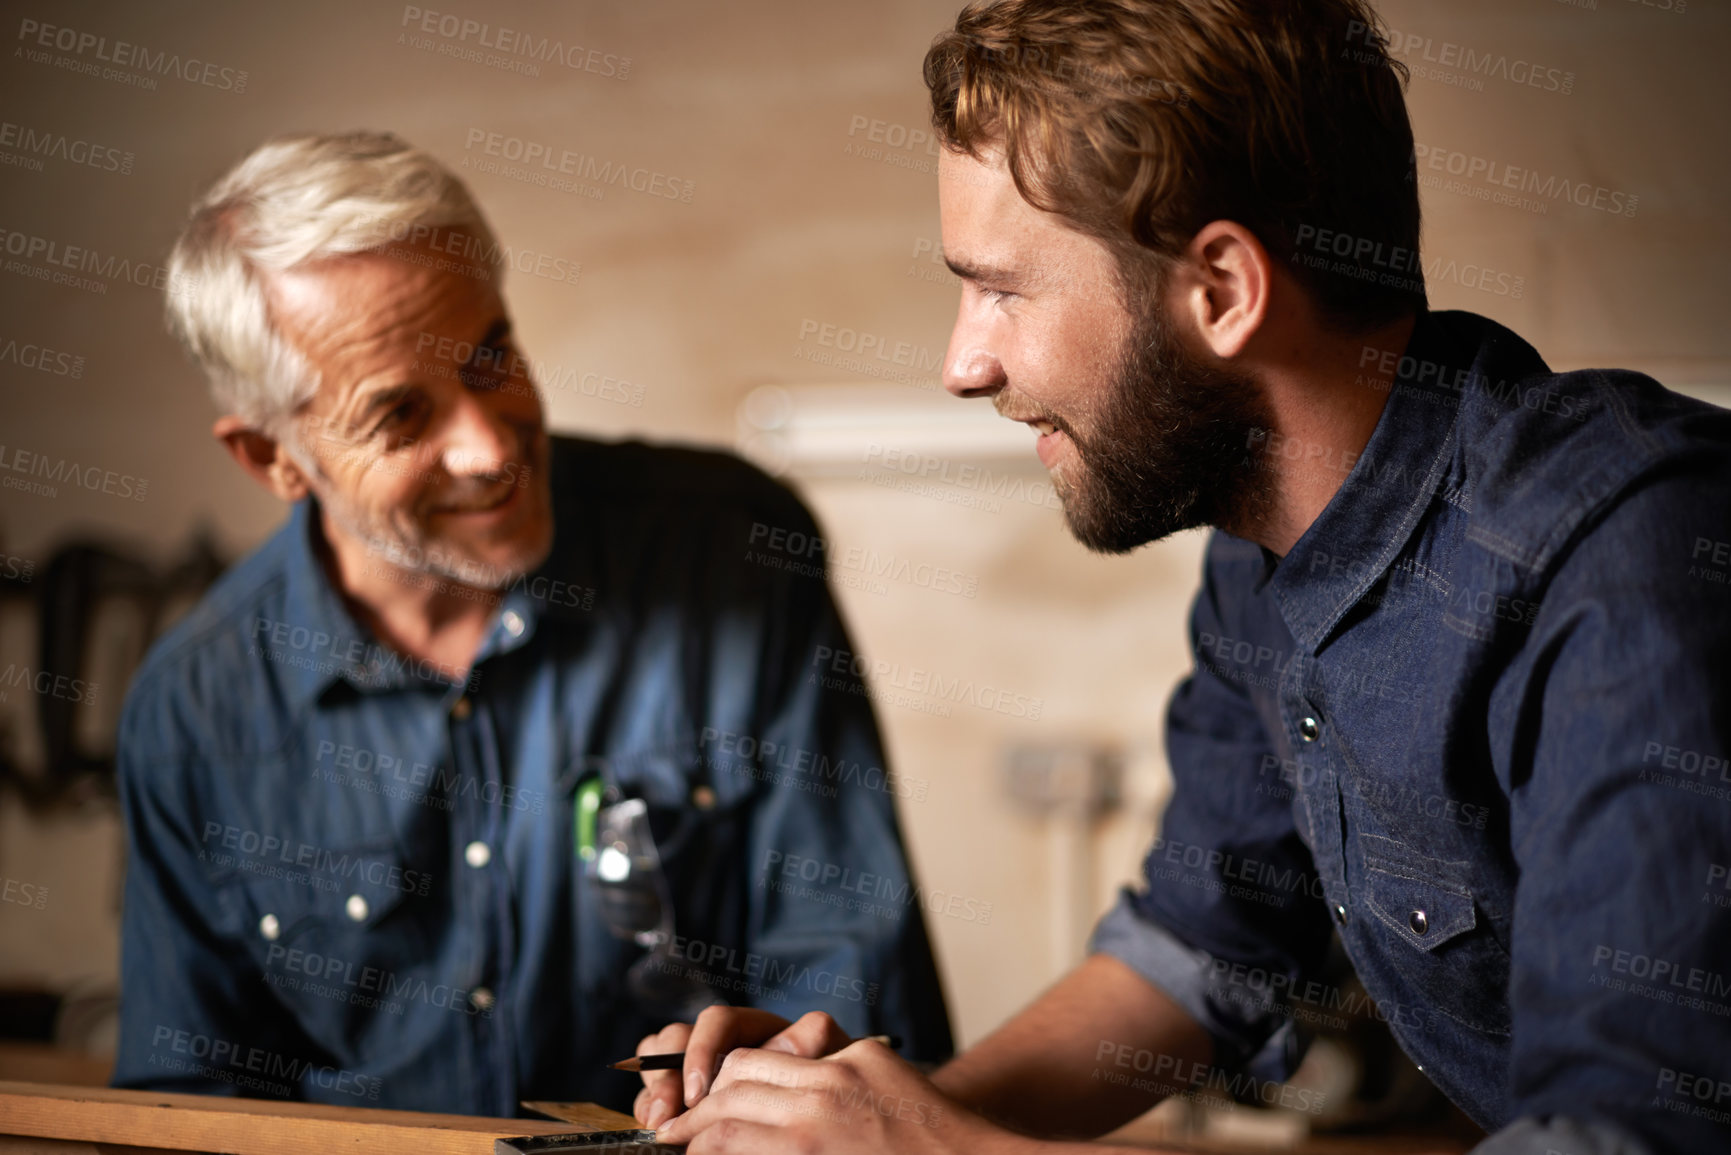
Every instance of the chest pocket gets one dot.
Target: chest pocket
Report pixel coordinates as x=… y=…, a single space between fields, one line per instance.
x=680 y=801
x=697 y=829
x=1438 y=940
x=327 y=915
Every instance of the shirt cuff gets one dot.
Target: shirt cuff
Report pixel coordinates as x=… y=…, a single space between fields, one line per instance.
x=1560 y=1134
x=1253 y=1038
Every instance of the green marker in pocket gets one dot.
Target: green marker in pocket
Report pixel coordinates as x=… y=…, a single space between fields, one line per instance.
x=584 y=815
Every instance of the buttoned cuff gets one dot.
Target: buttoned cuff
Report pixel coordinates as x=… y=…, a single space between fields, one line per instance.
x=1560 y=1134
x=1250 y=1038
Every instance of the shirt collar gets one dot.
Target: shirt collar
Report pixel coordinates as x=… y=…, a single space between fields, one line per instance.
x=1365 y=525
x=318 y=642
x=563 y=589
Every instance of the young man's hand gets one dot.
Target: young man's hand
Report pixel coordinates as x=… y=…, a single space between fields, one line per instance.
x=706 y=1043
x=861 y=1099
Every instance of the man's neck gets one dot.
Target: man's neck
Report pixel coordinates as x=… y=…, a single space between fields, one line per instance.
x=423 y=615
x=1326 y=398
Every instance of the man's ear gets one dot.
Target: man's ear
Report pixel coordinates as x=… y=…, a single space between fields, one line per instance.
x=1225 y=279
x=263 y=457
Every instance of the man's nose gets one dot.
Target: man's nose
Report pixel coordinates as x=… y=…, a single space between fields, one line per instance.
x=973 y=372
x=478 y=441
x=971 y=369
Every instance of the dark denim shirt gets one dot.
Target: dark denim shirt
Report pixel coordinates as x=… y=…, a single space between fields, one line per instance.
x=353 y=878
x=1477 y=721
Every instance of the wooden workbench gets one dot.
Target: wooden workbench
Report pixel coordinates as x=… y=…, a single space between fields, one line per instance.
x=69 y=1120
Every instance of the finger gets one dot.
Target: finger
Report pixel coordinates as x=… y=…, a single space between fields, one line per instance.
x=737 y=1137
x=668 y=1040
x=754 y=1067
x=813 y=1036
x=666 y=1096
x=737 y=1100
x=717 y=1031
x=866 y=1050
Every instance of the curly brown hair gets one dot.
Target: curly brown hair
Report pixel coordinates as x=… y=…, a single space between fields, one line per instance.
x=1140 y=121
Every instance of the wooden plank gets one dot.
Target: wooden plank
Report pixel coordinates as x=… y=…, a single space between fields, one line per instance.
x=258 y=1126
x=42 y=1063
x=586 y=1116
x=16 y=1145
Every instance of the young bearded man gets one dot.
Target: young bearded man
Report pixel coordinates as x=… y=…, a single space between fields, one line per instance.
x=472 y=773
x=1463 y=679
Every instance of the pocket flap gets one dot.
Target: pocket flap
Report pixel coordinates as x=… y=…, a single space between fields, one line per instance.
x=1424 y=912
x=358 y=887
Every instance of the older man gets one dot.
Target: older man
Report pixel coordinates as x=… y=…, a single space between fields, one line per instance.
x=476 y=770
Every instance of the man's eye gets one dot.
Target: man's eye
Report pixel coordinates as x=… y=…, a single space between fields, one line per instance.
x=993 y=295
x=399 y=420
x=488 y=371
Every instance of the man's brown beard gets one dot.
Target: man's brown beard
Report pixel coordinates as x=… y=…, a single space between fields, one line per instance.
x=1168 y=449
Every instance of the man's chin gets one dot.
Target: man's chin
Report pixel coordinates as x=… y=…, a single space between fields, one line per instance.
x=492 y=567
x=496 y=561
x=1114 y=540
x=1105 y=525
x=490 y=570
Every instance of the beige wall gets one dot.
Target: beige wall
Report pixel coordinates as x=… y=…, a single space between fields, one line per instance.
x=698 y=303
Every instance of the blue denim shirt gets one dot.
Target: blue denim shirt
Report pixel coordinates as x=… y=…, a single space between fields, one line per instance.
x=353 y=877
x=1477 y=721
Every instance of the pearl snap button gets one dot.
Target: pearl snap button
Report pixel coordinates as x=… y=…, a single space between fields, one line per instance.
x=1309 y=729
x=482 y=998
x=1340 y=914
x=477 y=854
x=269 y=927
x=356 y=908
x=1419 y=922
x=461 y=709
x=513 y=622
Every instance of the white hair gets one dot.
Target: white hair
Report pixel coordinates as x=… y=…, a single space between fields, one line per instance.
x=295 y=200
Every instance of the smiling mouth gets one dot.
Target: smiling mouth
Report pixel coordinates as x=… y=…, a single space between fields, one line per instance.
x=497 y=503
x=1041 y=426
x=1038 y=423
x=1047 y=440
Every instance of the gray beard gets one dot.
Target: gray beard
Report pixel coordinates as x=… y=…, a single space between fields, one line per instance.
x=433 y=562
x=411 y=556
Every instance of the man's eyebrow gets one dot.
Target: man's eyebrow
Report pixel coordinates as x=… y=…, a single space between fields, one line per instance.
x=387 y=397
x=980 y=272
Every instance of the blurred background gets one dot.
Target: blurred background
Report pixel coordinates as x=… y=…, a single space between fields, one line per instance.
x=789 y=302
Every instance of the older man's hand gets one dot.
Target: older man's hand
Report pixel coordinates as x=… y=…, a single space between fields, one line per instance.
x=706 y=1043
x=862 y=1099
